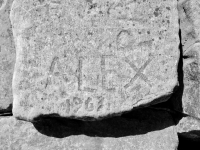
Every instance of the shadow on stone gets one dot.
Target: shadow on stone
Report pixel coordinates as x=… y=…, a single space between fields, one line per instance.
x=184 y=143
x=7 y=111
x=194 y=135
x=136 y=122
x=175 y=101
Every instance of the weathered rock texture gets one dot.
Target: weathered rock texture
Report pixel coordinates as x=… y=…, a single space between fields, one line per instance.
x=189 y=14
x=191 y=66
x=16 y=134
x=92 y=58
x=7 y=56
x=189 y=127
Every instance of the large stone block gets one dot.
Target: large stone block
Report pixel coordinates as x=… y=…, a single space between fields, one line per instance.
x=7 y=56
x=92 y=58
x=151 y=130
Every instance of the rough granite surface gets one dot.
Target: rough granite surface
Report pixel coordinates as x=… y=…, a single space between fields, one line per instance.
x=191 y=68
x=189 y=15
x=7 y=56
x=92 y=58
x=153 y=130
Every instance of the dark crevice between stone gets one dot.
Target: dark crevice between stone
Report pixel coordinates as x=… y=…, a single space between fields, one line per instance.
x=5 y=114
x=135 y=122
x=176 y=97
x=188 y=143
x=193 y=135
x=7 y=111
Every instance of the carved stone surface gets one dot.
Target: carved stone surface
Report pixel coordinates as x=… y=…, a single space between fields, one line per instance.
x=7 y=56
x=17 y=134
x=92 y=58
x=189 y=127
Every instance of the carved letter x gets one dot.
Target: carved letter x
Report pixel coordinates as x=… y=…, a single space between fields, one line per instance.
x=138 y=72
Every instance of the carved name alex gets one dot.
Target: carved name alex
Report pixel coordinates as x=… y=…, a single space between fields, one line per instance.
x=105 y=72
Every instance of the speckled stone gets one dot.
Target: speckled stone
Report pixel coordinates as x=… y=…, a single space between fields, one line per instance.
x=189 y=127
x=93 y=58
x=7 y=56
x=155 y=131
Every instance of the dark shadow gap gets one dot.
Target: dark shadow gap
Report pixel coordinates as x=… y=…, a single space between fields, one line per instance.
x=180 y=74
x=194 y=134
x=175 y=101
x=135 y=122
x=188 y=143
x=6 y=111
x=6 y=114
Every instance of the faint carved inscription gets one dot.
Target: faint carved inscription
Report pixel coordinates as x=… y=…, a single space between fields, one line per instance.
x=54 y=69
x=100 y=103
x=95 y=72
x=76 y=103
x=89 y=106
x=138 y=72
x=80 y=66
x=88 y=74
x=109 y=76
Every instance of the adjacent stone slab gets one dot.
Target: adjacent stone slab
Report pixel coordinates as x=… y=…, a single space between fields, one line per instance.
x=92 y=58
x=16 y=134
x=189 y=127
x=189 y=14
x=191 y=66
x=190 y=102
x=7 y=56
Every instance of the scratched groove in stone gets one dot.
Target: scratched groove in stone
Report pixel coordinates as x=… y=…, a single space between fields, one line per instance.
x=92 y=58
x=7 y=56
